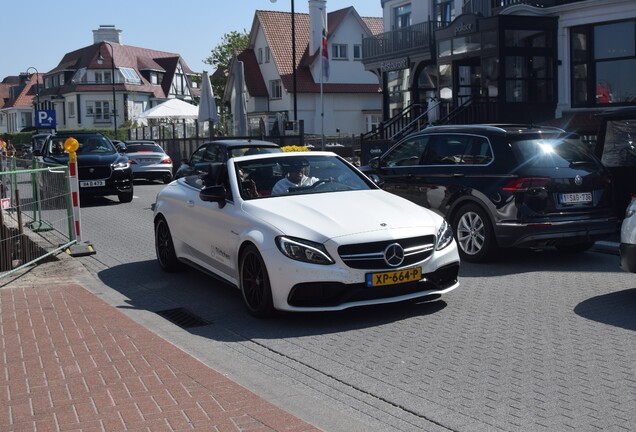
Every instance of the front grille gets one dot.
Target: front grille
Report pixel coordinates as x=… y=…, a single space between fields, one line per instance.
x=94 y=173
x=329 y=294
x=371 y=255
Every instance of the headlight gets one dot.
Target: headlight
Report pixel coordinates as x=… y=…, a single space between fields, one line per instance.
x=444 y=236
x=303 y=250
x=631 y=208
x=120 y=165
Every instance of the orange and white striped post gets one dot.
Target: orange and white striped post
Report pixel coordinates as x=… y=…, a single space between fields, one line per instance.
x=71 y=145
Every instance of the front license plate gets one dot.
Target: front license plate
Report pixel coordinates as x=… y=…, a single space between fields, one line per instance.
x=576 y=198
x=92 y=183
x=394 y=277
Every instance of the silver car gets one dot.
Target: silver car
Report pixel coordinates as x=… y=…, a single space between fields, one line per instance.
x=149 y=161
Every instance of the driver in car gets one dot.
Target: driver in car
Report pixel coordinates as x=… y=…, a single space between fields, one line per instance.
x=296 y=177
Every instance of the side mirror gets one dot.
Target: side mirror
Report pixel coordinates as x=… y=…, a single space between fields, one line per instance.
x=121 y=147
x=213 y=194
x=375 y=179
x=375 y=163
x=37 y=152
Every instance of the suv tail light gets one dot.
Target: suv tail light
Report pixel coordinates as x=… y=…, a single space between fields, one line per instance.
x=523 y=184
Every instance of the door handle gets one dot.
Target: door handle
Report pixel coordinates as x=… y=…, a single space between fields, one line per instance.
x=458 y=174
x=190 y=203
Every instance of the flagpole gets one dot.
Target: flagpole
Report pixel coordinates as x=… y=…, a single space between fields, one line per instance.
x=322 y=104
x=322 y=75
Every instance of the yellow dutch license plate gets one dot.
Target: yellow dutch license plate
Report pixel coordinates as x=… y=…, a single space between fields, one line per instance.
x=394 y=277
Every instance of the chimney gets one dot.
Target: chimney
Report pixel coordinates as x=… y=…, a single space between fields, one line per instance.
x=317 y=18
x=106 y=33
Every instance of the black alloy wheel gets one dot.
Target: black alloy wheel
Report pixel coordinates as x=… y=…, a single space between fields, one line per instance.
x=164 y=247
x=255 y=286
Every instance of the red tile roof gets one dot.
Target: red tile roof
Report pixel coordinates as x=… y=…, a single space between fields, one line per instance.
x=140 y=59
x=28 y=93
x=277 y=29
x=253 y=78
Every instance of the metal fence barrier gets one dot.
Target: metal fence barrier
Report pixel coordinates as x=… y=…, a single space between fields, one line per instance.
x=36 y=218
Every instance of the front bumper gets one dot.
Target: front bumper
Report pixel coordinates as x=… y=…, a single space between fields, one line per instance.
x=305 y=287
x=119 y=182
x=338 y=294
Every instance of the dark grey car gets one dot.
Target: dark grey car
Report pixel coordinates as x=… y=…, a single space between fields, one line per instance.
x=503 y=186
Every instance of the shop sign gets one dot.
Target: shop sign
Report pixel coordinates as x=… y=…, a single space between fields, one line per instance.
x=397 y=64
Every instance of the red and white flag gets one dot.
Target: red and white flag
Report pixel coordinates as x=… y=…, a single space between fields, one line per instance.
x=325 y=55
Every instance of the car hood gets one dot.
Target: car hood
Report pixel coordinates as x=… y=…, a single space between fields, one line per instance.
x=372 y=214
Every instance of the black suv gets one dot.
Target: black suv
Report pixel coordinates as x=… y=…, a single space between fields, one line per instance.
x=102 y=169
x=503 y=186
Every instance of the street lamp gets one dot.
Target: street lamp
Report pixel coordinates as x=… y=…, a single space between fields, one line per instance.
x=100 y=60
x=37 y=91
x=293 y=30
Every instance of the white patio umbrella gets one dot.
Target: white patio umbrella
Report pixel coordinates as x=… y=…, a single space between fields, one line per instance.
x=240 y=109
x=207 y=104
x=172 y=109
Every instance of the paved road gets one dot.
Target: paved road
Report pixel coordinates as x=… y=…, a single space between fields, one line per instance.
x=535 y=341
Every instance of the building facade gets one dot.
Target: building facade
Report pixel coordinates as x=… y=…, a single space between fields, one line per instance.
x=519 y=61
x=278 y=93
x=104 y=85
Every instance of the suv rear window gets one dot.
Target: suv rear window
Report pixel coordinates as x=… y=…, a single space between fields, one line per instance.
x=553 y=152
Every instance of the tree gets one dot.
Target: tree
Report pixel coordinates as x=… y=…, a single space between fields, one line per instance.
x=221 y=56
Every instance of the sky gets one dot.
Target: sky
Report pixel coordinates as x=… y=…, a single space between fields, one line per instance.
x=38 y=36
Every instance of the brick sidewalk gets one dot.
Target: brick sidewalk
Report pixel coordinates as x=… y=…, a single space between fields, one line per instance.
x=72 y=362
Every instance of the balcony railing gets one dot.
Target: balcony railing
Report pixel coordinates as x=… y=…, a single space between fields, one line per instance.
x=493 y=7
x=401 y=41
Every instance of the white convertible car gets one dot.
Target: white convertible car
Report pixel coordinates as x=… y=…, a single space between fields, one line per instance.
x=324 y=238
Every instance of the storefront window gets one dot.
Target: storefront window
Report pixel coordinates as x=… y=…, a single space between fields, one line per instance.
x=579 y=84
x=603 y=74
x=466 y=44
x=445 y=81
x=529 y=79
x=489 y=40
x=490 y=70
x=444 y=48
x=615 y=81
x=527 y=39
x=614 y=40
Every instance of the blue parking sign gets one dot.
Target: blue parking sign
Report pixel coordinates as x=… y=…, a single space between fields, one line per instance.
x=45 y=119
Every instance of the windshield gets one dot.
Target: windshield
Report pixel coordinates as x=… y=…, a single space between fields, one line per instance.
x=90 y=144
x=297 y=175
x=555 y=152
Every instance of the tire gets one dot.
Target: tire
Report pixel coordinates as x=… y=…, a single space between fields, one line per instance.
x=167 y=178
x=164 y=247
x=126 y=197
x=474 y=234
x=575 y=248
x=255 y=286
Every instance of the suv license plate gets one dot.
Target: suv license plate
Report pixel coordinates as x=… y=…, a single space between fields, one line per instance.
x=92 y=183
x=576 y=198
x=394 y=277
